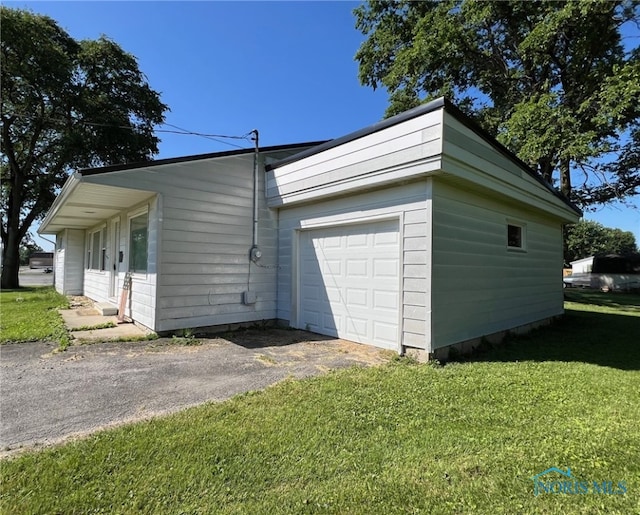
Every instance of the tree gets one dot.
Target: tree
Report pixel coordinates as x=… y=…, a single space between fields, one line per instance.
x=64 y=104
x=551 y=80
x=588 y=238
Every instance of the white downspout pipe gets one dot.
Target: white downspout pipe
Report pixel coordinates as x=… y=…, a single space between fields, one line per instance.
x=255 y=253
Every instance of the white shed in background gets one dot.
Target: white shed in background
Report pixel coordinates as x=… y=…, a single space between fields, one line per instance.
x=582 y=266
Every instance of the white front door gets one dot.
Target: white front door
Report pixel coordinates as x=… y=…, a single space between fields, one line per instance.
x=349 y=282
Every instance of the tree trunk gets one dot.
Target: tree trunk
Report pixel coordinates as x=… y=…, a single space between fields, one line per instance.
x=10 y=262
x=565 y=178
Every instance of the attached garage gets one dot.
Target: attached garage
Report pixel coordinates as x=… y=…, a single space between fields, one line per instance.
x=349 y=282
x=399 y=236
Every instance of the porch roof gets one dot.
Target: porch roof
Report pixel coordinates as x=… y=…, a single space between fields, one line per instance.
x=81 y=205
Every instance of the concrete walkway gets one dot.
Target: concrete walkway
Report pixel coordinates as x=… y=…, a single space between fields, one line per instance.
x=83 y=320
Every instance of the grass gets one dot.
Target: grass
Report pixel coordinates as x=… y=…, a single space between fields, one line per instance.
x=402 y=438
x=30 y=314
x=105 y=325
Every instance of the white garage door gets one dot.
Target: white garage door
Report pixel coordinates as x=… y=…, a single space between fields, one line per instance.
x=349 y=282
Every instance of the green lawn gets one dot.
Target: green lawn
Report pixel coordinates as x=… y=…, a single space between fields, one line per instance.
x=30 y=314
x=401 y=438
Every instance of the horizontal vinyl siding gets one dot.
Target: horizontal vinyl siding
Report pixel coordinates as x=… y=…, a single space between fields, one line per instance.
x=74 y=255
x=411 y=204
x=200 y=234
x=416 y=327
x=479 y=286
x=59 y=267
x=470 y=157
x=366 y=162
x=206 y=238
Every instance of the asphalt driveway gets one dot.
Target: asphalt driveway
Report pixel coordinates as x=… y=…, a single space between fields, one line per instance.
x=48 y=397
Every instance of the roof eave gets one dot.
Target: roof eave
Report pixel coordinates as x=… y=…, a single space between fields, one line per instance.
x=67 y=189
x=195 y=157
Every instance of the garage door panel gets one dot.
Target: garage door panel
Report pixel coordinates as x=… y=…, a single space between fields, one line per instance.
x=357 y=297
x=385 y=268
x=357 y=241
x=349 y=282
x=383 y=299
x=357 y=327
x=386 y=239
x=385 y=332
x=357 y=267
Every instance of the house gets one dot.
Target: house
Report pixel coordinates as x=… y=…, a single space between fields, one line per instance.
x=182 y=228
x=414 y=234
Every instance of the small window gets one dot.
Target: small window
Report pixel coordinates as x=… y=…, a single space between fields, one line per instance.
x=138 y=241
x=515 y=236
x=96 y=251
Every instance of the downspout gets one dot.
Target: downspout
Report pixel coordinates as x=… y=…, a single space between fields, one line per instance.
x=255 y=253
x=249 y=297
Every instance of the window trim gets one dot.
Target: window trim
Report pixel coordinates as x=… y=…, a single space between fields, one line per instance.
x=130 y=216
x=523 y=235
x=101 y=230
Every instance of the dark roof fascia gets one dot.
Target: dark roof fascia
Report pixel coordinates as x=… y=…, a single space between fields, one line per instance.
x=433 y=105
x=185 y=159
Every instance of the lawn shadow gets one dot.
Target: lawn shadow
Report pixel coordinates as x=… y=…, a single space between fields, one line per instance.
x=617 y=300
x=255 y=338
x=608 y=340
x=27 y=289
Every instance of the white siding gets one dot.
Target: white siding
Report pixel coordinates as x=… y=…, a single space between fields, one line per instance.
x=582 y=266
x=58 y=265
x=204 y=236
x=399 y=152
x=207 y=236
x=479 y=286
x=470 y=157
x=69 y=262
x=410 y=205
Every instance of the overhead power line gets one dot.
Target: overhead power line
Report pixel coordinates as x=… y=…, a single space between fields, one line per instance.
x=178 y=130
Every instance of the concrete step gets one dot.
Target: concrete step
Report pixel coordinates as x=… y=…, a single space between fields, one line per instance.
x=106 y=309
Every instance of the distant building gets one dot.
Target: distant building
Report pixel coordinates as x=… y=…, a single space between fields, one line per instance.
x=41 y=260
x=582 y=266
x=606 y=272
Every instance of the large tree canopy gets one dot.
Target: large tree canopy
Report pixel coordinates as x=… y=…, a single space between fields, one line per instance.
x=588 y=238
x=64 y=104
x=552 y=80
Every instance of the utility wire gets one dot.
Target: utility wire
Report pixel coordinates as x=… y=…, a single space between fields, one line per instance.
x=180 y=130
x=213 y=137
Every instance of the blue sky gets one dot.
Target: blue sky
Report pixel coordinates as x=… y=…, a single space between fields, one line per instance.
x=284 y=68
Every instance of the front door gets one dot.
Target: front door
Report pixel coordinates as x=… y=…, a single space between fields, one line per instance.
x=114 y=262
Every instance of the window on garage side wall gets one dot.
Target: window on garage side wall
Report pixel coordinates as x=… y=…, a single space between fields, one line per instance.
x=138 y=243
x=516 y=236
